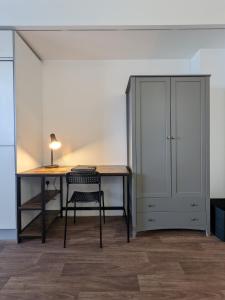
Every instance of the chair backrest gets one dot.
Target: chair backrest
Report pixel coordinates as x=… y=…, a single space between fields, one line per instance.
x=83 y=178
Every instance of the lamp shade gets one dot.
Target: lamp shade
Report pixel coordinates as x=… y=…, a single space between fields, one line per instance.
x=54 y=144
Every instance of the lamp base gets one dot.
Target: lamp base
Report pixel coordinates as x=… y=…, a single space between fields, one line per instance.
x=51 y=166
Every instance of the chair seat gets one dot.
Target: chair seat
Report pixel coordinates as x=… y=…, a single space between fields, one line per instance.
x=85 y=196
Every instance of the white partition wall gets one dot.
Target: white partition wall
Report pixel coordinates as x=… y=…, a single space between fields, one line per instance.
x=7 y=140
x=20 y=125
x=28 y=90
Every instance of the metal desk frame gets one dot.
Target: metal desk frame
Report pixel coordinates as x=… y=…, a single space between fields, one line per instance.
x=124 y=173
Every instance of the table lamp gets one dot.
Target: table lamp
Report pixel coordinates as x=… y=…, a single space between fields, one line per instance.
x=53 y=145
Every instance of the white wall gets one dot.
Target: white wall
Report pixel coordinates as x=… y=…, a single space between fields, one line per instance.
x=213 y=62
x=75 y=13
x=84 y=104
x=28 y=89
x=28 y=107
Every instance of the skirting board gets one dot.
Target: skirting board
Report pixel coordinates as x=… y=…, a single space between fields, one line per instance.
x=8 y=234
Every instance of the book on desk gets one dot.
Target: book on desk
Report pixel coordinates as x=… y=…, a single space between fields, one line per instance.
x=83 y=169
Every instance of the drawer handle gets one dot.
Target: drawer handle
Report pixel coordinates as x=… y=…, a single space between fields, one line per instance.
x=151 y=220
x=194 y=219
x=194 y=204
x=151 y=205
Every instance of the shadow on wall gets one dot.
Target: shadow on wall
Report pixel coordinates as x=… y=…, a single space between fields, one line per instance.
x=25 y=159
x=97 y=151
x=73 y=141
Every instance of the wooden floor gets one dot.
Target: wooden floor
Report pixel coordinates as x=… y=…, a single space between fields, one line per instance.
x=156 y=265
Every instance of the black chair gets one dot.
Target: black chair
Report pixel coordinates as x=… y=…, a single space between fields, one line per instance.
x=85 y=197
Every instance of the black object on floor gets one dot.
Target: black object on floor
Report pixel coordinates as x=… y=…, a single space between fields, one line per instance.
x=220 y=220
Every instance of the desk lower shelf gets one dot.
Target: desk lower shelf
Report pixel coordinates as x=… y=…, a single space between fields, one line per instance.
x=35 y=202
x=34 y=228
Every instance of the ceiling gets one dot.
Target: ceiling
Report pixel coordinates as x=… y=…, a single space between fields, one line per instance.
x=123 y=44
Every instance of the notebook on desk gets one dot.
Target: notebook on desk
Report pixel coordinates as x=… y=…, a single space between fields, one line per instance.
x=84 y=169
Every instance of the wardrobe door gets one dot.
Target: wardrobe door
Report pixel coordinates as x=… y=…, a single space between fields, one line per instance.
x=188 y=123
x=152 y=145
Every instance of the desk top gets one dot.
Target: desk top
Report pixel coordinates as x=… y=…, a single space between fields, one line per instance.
x=108 y=170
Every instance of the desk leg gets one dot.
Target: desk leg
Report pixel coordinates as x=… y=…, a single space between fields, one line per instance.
x=61 y=196
x=124 y=211
x=43 y=209
x=128 y=209
x=18 y=186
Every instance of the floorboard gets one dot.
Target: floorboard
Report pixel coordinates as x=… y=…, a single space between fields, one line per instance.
x=159 y=265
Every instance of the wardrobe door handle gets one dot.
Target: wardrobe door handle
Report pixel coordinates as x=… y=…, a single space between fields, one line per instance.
x=194 y=219
x=151 y=205
x=170 y=137
x=151 y=220
x=194 y=204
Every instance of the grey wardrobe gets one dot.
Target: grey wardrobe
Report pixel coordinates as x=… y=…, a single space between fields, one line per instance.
x=168 y=151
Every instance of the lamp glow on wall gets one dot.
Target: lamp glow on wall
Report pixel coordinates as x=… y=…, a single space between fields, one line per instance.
x=53 y=145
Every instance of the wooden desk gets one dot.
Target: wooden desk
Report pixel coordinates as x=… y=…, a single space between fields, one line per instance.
x=38 y=203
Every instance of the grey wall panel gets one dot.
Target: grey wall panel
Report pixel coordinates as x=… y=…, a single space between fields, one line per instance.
x=152 y=129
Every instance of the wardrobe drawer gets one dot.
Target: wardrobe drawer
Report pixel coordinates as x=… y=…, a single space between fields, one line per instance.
x=145 y=205
x=170 y=220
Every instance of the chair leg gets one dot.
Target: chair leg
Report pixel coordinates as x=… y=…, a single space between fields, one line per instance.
x=74 y=215
x=100 y=222
x=103 y=205
x=65 y=228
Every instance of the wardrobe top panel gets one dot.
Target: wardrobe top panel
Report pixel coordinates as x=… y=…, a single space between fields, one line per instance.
x=171 y=75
